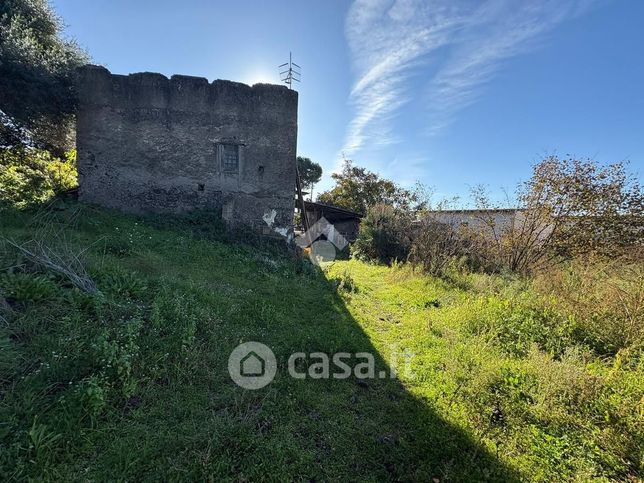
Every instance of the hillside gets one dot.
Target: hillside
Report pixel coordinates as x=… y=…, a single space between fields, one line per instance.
x=131 y=382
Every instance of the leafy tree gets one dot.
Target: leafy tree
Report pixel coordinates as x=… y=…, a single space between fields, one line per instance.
x=310 y=173
x=385 y=234
x=570 y=207
x=358 y=189
x=37 y=68
x=591 y=208
x=31 y=176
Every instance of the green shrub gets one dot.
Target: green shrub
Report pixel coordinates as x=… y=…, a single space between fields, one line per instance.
x=31 y=176
x=120 y=282
x=24 y=287
x=115 y=352
x=385 y=235
x=93 y=395
x=175 y=319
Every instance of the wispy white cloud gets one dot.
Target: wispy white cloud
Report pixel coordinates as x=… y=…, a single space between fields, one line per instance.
x=390 y=40
x=510 y=29
x=387 y=40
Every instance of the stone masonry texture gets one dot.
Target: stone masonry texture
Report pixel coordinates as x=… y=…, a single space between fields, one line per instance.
x=149 y=144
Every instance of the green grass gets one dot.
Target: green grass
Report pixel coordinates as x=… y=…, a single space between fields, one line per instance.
x=133 y=384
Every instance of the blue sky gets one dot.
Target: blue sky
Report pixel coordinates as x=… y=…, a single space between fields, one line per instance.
x=452 y=93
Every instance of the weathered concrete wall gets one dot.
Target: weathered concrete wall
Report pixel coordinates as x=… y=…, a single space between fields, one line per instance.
x=147 y=143
x=502 y=220
x=492 y=223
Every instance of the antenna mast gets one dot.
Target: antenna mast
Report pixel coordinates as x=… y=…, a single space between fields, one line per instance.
x=290 y=72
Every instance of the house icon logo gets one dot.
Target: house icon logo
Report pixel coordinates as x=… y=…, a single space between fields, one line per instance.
x=252 y=365
x=322 y=239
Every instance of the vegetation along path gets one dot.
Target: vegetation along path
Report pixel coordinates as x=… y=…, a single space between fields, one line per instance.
x=131 y=382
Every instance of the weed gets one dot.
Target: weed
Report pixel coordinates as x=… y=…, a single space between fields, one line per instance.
x=25 y=287
x=345 y=282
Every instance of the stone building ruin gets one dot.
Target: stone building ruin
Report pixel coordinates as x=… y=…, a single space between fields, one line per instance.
x=147 y=143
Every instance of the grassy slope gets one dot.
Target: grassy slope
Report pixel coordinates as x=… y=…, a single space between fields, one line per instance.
x=134 y=384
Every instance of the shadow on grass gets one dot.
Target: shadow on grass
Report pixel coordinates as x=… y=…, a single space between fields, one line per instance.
x=368 y=428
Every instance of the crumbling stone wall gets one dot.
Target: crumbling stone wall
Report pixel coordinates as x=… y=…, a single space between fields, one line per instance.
x=147 y=143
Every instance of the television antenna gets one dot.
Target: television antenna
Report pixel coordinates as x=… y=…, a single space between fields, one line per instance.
x=290 y=72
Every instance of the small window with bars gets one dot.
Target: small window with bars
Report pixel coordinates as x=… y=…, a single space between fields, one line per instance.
x=230 y=158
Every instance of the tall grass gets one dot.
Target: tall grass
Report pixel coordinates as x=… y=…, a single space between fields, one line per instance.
x=604 y=298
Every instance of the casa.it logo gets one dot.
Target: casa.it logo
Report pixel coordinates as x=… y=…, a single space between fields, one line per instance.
x=323 y=240
x=252 y=365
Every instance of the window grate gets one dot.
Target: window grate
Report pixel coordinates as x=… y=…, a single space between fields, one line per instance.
x=230 y=158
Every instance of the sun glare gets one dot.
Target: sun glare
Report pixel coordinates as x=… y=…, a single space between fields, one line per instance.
x=260 y=76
